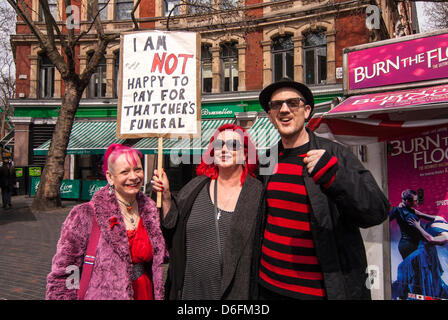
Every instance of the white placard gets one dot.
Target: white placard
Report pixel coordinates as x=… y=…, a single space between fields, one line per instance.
x=159 y=91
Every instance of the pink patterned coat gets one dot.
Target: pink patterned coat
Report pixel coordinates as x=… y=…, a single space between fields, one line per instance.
x=111 y=276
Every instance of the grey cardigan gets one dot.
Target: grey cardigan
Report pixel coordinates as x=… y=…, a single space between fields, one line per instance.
x=237 y=248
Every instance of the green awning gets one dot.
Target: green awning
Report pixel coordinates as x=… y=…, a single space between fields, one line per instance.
x=87 y=137
x=263 y=134
x=195 y=146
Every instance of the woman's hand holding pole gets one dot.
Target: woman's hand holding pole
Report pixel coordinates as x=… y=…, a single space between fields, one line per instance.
x=162 y=185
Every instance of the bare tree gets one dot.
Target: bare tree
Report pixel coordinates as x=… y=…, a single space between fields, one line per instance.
x=52 y=35
x=7 y=67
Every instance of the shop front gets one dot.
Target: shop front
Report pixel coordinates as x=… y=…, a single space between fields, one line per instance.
x=395 y=118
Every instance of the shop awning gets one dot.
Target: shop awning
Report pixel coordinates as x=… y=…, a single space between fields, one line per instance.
x=381 y=116
x=94 y=137
x=263 y=134
x=195 y=146
x=87 y=137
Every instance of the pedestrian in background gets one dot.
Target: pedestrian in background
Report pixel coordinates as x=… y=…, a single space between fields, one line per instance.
x=127 y=260
x=7 y=181
x=210 y=224
x=317 y=197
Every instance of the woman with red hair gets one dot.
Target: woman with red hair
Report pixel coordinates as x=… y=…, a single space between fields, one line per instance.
x=209 y=226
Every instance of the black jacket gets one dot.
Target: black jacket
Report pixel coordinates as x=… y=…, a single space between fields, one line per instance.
x=238 y=247
x=352 y=201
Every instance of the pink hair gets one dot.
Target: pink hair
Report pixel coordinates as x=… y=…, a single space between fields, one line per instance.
x=115 y=150
x=250 y=165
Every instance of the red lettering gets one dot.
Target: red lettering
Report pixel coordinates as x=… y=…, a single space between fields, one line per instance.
x=170 y=63
x=186 y=57
x=157 y=62
x=169 y=70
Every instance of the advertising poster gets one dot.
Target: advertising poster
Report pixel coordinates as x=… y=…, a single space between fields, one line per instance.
x=397 y=63
x=418 y=192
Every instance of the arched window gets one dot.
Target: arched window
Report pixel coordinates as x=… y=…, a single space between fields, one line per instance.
x=98 y=81
x=229 y=63
x=315 y=57
x=46 y=77
x=282 y=57
x=206 y=67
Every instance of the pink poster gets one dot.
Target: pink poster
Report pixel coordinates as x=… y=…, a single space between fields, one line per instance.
x=396 y=63
x=418 y=191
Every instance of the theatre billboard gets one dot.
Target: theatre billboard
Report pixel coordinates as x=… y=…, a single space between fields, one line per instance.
x=417 y=60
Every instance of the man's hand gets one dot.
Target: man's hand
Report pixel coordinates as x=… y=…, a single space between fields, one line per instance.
x=312 y=158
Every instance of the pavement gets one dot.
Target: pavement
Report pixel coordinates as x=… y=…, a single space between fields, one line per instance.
x=27 y=245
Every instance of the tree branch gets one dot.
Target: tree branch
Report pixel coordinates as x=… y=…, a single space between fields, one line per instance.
x=136 y=27
x=82 y=34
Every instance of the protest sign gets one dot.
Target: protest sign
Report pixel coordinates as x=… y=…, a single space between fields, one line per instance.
x=159 y=90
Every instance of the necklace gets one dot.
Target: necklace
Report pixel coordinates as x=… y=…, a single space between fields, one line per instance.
x=127 y=205
x=131 y=220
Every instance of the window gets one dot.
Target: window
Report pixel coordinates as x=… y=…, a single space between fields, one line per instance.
x=315 y=57
x=206 y=67
x=229 y=63
x=282 y=58
x=116 y=72
x=98 y=82
x=123 y=9
x=53 y=6
x=228 y=4
x=102 y=8
x=199 y=6
x=169 y=5
x=46 y=77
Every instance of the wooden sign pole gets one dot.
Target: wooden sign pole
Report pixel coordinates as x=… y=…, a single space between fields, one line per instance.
x=159 y=169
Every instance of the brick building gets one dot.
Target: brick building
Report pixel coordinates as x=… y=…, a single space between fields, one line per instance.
x=246 y=44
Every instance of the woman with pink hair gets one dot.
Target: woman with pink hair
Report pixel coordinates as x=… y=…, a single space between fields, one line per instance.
x=125 y=261
x=210 y=225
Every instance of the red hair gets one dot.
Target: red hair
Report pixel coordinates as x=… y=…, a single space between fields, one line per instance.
x=115 y=150
x=207 y=166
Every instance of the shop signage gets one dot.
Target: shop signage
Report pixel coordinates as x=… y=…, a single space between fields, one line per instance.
x=19 y=172
x=69 y=188
x=209 y=112
x=421 y=58
x=160 y=89
x=89 y=187
x=35 y=171
x=381 y=102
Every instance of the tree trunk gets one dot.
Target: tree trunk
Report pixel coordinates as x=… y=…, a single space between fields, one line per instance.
x=48 y=193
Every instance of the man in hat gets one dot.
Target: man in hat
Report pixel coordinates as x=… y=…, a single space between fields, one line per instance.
x=318 y=196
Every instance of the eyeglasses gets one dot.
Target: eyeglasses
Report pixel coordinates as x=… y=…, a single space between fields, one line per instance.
x=292 y=103
x=232 y=145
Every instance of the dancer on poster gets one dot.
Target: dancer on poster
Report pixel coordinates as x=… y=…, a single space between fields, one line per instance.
x=404 y=213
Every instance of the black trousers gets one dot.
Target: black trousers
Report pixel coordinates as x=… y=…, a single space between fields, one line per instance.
x=6 y=196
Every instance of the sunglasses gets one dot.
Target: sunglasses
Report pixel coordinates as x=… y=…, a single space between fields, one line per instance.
x=232 y=145
x=292 y=103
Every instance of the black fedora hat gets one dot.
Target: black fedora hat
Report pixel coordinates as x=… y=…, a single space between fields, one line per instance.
x=266 y=93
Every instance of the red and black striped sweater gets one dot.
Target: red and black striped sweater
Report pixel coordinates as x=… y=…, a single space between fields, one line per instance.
x=288 y=264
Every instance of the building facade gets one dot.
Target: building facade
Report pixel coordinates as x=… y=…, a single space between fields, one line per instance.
x=245 y=45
